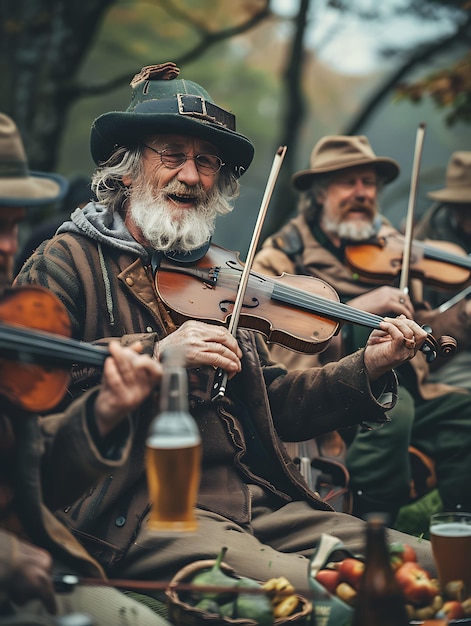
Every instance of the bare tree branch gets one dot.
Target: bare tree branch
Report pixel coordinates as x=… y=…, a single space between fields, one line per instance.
x=421 y=55
x=209 y=39
x=295 y=110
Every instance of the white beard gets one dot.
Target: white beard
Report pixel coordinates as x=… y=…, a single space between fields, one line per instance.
x=350 y=230
x=151 y=213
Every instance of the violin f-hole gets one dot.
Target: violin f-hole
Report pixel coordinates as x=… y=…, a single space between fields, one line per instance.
x=225 y=304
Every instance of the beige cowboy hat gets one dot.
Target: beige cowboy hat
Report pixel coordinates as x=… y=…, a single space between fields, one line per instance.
x=458 y=180
x=339 y=152
x=18 y=185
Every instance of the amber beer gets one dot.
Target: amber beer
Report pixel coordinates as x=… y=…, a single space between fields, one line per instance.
x=173 y=454
x=450 y=534
x=173 y=471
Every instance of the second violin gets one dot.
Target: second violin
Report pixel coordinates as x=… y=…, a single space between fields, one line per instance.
x=439 y=263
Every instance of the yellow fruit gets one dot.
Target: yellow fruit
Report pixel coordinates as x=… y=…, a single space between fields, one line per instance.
x=467 y=607
x=287 y=606
x=426 y=612
x=346 y=593
x=454 y=590
x=270 y=585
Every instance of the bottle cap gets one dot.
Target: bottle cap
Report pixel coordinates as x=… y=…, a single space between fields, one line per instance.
x=379 y=517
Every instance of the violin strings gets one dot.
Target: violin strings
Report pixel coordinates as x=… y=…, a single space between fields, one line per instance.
x=440 y=255
x=31 y=344
x=302 y=299
x=330 y=308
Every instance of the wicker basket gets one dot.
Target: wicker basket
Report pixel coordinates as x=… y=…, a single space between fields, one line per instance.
x=184 y=614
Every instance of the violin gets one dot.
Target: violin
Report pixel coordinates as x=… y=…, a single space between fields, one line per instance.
x=443 y=264
x=36 y=351
x=302 y=313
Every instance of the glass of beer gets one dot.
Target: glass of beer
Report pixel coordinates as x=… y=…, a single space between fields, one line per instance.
x=173 y=454
x=173 y=473
x=450 y=534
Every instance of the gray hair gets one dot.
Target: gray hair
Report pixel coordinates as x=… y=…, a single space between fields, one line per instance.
x=110 y=191
x=308 y=204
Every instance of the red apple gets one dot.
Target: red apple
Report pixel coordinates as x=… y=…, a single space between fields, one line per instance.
x=328 y=578
x=401 y=553
x=452 y=609
x=416 y=584
x=350 y=571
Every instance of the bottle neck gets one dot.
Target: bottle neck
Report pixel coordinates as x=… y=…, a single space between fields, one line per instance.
x=377 y=551
x=174 y=391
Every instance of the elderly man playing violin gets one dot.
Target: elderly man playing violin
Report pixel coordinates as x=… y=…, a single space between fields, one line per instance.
x=449 y=220
x=167 y=167
x=429 y=435
x=33 y=543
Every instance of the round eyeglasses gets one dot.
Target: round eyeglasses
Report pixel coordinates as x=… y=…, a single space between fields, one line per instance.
x=205 y=163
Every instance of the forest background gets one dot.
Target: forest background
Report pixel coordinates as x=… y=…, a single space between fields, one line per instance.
x=291 y=70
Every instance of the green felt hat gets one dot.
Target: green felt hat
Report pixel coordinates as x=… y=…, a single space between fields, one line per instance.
x=163 y=103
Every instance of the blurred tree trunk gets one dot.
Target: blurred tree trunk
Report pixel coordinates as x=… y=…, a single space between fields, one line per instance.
x=43 y=44
x=295 y=110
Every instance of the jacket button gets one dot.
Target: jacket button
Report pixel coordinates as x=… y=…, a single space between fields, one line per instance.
x=120 y=521
x=129 y=281
x=149 y=329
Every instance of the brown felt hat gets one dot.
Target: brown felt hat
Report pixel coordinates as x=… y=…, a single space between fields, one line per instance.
x=339 y=152
x=458 y=180
x=18 y=185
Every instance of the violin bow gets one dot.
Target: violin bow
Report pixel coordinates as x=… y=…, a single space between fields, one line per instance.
x=464 y=293
x=64 y=583
x=409 y=231
x=221 y=376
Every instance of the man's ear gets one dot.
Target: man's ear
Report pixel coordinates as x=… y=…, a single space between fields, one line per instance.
x=127 y=180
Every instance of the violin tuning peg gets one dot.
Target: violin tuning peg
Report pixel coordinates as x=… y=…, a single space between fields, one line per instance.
x=430 y=356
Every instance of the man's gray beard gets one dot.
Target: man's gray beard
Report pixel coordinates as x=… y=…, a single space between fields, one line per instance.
x=151 y=213
x=350 y=230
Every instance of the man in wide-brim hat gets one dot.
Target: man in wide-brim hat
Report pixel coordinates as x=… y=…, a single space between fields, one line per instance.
x=34 y=545
x=168 y=166
x=19 y=186
x=339 y=208
x=449 y=218
x=20 y=189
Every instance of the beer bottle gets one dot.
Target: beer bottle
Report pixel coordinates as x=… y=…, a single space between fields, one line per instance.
x=173 y=453
x=380 y=601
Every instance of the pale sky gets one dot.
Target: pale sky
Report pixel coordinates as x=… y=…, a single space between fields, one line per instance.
x=350 y=46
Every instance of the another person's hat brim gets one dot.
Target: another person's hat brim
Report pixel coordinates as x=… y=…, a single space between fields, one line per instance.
x=35 y=189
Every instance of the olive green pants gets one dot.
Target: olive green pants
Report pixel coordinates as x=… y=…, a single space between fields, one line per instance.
x=278 y=541
x=378 y=460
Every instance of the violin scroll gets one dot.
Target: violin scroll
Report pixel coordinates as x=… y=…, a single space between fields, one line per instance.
x=446 y=346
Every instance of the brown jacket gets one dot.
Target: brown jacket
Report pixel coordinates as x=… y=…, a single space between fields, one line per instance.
x=113 y=294
x=63 y=449
x=322 y=264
